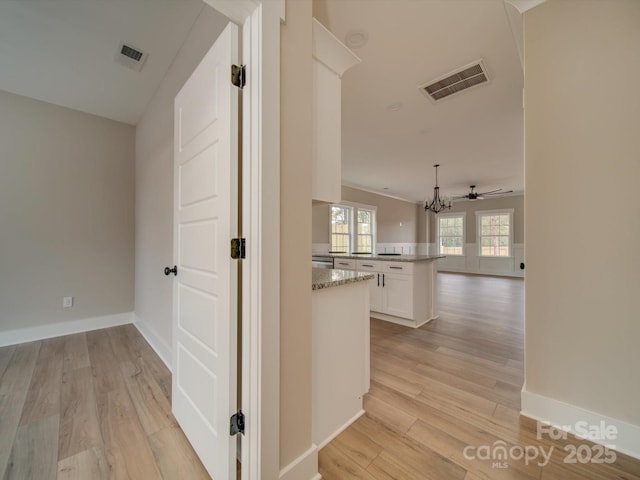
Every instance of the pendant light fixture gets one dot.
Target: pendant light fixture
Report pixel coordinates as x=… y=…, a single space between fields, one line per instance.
x=437 y=204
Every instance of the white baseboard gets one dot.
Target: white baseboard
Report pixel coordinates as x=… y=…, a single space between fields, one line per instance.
x=565 y=416
x=305 y=467
x=159 y=346
x=31 y=334
x=341 y=429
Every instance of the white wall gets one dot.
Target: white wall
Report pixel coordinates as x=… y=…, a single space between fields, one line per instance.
x=582 y=117
x=66 y=217
x=154 y=188
x=295 y=237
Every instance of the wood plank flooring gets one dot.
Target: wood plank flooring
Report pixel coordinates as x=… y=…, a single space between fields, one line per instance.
x=90 y=406
x=97 y=405
x=453 y=383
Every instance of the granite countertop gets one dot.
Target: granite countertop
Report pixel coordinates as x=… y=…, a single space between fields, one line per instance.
x=389 y=258
x=325 y=278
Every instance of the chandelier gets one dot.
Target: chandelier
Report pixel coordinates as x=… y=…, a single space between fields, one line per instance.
x=437 y=204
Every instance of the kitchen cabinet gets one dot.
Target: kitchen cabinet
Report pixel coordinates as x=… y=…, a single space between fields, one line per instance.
x=397 y=297
x=400 y=292
x=330 y=60
x=398 y=289
x=375 y=284
x=391 y=290
x=344 y=264
x=375 y=293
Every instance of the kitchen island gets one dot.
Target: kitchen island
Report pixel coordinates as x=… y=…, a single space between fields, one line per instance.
x=403 y=287
x=340 y=344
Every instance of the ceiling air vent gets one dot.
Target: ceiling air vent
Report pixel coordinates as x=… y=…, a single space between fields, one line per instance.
x=131 y=57
x=461 y=79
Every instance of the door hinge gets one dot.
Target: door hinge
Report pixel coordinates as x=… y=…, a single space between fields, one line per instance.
x=238 y=248
x=239 y=75
x=237 y=423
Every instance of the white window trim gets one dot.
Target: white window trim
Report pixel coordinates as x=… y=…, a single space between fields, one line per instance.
x=464 y=232
x=479 y=213
x=352 y=223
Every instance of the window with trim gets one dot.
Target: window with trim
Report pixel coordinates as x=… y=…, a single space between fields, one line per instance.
x=353 y=228
x=340 y=228
x=495 y=232
x=450 y=233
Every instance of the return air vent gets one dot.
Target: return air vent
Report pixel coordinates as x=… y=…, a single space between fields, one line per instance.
x=461 y=79
x=131 y=57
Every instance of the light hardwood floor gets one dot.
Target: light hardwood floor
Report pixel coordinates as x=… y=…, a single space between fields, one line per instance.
x=453 y=383
x=97 y=405
x=90 y=406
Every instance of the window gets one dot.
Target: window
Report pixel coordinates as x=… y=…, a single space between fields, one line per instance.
x=340 y=228
x=495 y=232
x=364 y=233
x=353 y=228
x=450 y=232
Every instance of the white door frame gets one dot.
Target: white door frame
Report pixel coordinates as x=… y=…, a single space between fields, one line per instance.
x=260 y=22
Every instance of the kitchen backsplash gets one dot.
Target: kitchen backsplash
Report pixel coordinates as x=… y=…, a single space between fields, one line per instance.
x=403 y=248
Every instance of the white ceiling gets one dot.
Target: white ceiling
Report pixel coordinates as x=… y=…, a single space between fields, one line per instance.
x=62 y=51
x=476 y=136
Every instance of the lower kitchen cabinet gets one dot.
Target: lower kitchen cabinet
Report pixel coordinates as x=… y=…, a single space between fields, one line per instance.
x=401 y=292
x=375 y=284
x=397 y=295
x=344 y=264
x=375 y=293
x=391 y=293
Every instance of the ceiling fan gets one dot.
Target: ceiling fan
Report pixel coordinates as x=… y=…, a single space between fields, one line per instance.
x=473 y=195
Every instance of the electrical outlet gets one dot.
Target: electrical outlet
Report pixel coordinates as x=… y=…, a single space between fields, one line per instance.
x=67 y=302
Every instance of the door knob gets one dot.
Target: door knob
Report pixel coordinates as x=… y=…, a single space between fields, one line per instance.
x=173 y=270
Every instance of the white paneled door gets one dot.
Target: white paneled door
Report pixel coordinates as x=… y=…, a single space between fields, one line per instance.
x=205 y=288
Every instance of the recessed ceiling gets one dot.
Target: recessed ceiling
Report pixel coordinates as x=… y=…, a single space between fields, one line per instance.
x=63 y=51
x=476 y=135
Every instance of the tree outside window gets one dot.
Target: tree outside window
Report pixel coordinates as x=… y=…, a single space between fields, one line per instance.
x=353 y=229
x=495 y=232
x=364 y=240
x=340 y=228
x=451 y=234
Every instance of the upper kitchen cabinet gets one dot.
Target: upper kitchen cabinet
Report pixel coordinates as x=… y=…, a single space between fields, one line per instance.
x=330 y=60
